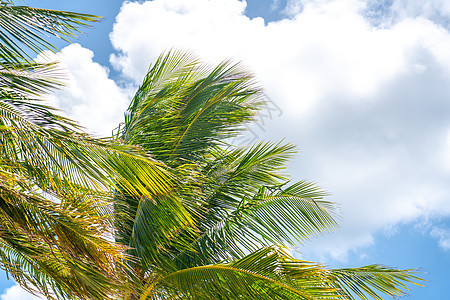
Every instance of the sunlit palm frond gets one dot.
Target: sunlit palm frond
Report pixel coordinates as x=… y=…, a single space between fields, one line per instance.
x=58 y=244
x=372 y=282
x=271 y=216
x=183 y=108
x=54 y=155
x=258 y=275
x=56 y=189
x=31 y=79
x=24 y=29
x=369 y=282
x=233 y=175
x=153 y=224
x=248 y=205
x=271 y=273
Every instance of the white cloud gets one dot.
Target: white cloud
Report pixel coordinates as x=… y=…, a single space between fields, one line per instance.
x=90 y=97
x=367 y=104
x=159 y=32
x=429 y=8
x=443 y=236
x=17 y=293
x=438 y=10
x=326 y=49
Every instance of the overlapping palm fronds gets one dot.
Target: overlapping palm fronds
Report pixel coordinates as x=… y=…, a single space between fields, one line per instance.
x=55 y=175
x=56 y=182
x=196 y=218
x=244 y=209
x=271 y=273
x=25 y=31
x=194 y=108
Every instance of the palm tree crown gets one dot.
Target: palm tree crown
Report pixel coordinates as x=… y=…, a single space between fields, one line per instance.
x=222 y=232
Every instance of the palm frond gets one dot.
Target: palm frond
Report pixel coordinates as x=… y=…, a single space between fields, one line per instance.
x=59 y=157
x=234 y=175
x=152 y=225
x=371 y=282
x=183 y=108
x=276 y=216
x=31 y=79
x=24 y=29
x=56 y=189
x=48 y=244
x=255 y=276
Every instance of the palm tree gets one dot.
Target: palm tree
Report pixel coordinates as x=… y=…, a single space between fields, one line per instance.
x=56 y=182
x=225 y=233
x=220 y=232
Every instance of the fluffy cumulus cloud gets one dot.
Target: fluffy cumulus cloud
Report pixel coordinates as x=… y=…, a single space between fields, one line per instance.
x=90 y=96
x=17 y=293
x=367 y=102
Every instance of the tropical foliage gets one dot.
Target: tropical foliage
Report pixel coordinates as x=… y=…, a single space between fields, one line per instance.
x=194 y=216
x=223 y=231
x=55 y=181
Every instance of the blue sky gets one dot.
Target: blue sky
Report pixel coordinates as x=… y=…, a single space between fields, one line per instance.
x=362 y=87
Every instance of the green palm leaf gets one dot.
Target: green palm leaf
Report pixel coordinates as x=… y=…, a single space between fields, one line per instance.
x=252 y=277
x=183 y=107
x=55 y=181
x=234 y=175
x=25 y=29
x=31 y=79
x=270 y=273
x=50 y=245
x=366 y=282
x=276 y=217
